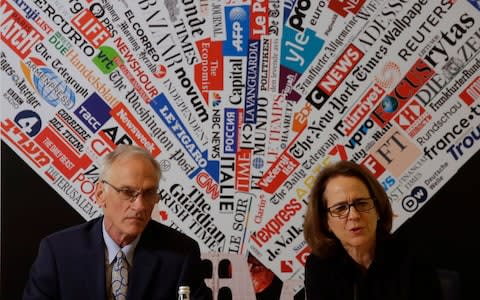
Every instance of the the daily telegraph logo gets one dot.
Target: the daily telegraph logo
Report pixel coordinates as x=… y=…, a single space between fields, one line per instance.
x=94 y=112
x=47 y=83
x=17 y=33
x=343 y=7
x=237 y=19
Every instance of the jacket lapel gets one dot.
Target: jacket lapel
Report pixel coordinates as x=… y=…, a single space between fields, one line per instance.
x=145 y=262
x=94 y=263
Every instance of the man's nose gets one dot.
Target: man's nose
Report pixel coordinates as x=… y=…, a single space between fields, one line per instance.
x=140 y=202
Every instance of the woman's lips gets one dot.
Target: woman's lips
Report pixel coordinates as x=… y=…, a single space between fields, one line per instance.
x=356 y=229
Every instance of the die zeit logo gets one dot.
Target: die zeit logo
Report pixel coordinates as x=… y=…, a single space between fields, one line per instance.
x=17 y=32
x=273 y=226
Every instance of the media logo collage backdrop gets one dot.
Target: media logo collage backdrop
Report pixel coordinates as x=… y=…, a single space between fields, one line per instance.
x=243 y=102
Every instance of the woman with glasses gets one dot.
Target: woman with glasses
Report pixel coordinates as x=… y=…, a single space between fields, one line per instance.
x=354 y=255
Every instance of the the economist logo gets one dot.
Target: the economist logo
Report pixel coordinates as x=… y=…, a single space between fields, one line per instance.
x=17 y=32
x=209 y=72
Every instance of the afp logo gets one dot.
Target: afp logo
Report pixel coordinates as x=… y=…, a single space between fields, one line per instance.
x=238 y=29
x=418 y=195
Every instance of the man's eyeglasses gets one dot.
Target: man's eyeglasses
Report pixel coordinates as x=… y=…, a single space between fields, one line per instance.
x=150 y=196
x=343 y=209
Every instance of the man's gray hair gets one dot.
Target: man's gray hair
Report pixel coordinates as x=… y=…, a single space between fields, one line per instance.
x=124 y=150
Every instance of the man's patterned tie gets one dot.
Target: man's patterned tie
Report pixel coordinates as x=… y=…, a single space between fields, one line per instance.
x=120 y=277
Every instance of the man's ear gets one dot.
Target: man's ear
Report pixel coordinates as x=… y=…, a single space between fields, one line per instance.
x=100 y=194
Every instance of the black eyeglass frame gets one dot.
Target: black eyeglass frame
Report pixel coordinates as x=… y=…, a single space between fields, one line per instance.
x=349 y=205
x=132 y=195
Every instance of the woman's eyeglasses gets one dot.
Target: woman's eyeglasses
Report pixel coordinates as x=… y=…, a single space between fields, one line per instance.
x=343 y=209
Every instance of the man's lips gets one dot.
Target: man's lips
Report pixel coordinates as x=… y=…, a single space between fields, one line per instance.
x=137 y=219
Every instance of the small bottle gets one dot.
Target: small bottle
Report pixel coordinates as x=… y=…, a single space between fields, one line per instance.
x=183 y=292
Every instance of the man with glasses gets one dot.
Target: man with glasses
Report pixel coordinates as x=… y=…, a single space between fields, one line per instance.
x=124 y=254
x=354 y=256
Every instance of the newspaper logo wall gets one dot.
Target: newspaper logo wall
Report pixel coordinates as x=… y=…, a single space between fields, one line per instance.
x=243 y=103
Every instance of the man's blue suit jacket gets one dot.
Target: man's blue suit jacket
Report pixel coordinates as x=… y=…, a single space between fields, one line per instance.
x=71 y=265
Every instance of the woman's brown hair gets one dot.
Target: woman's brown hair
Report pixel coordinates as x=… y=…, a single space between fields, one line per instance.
x=316 y=230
